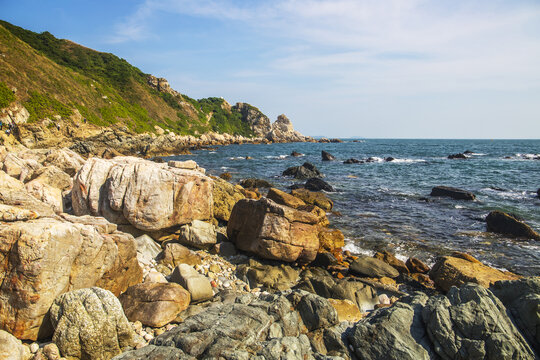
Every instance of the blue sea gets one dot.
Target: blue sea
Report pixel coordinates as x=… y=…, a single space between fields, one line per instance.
x=386 y=205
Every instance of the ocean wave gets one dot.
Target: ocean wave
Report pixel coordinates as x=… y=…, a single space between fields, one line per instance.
x=237 y=158
x=507 y=194
x=280 y=157
x=408 y=161
x=356 y=249
x=213 y=152
x=478 y=154
x=528 y=156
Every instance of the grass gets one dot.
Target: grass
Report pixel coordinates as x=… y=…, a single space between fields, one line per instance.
x=6 y=96
x=41 y=106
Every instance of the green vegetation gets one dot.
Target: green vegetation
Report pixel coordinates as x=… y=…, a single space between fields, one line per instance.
x=6 y=96
x=224 y=120
x=41 y=106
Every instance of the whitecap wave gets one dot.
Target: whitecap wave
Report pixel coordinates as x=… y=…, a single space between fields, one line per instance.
x=407 y=161
x=279 y=157
x=355 y=249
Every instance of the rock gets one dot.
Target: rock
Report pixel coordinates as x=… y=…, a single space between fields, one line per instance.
x=327 y=156
x=9 y=183
x=147 y=249
x=155 y=276
x=198 y=234
x=416 y=266
x=305 y=171
x=465 y=256
x=457 y=156
x=319 y=213
x=225 y=176
x=22 y=199
x=53 y=176
x=331 y=239
x=389 y=158
x=352 y=161
x=225 y=248
x=283 y=198
x=90 y=324
x=49 y=195
x=188 y=165
x=10 y=213
x=198 y=285
x=65 y=159
x=346 y=310
x=470 y=322
x=155 y=353
x=503 y=223
x=316 y=184
x=51 y=351
x=255 y=183
x=12 y=348
x=316 y=312
x=175 y=254
x=145 y=194
x=280 y=277
x=324 y=260
x=314 y=198
x=225 y=196
x=371 y=267
x=283 y=131
x=296 y=154
x=154 y=304
x=450 y=271
x=19 y=168
x=521 y=299
x=454 y=193
x=273 y=231
x=46 y=257
x=258 y=122
x=391 y=260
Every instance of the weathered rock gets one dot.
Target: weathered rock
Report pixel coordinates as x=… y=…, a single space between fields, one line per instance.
x=46 y=257
x=199 y=234
x=273 y=231
x=452 y=192
x=8 y=183
x=155 y=353
x=12 y=348
x=198 y=285
x=142 y=193
x=316 y=184
x=346 y=310
x=175 y=254
x=500 y=222
x=281 y=197
x=391 y=260
x=22 y=199
x=255 y=183
x=147 y=249
x=352 y=161
x=154 y=304
x=225 y=196
x=326 y=156
x=450 y=271
x=258 y=122
x=224 y=248
x=10 y=213
x=49 y=195
x=470 y=322
x=371 y=267
x=283 y=131
x=522 y=301
x=330 y=239
x=416 y=266
x=53 y=176
x=188 y=165
x=65 y=159
x=316 y=312
x=305 y=171
x=90 y=324
x=281 y=277
x=154 y=276
x=457 y=156
x=19 y=168
x=314 y=198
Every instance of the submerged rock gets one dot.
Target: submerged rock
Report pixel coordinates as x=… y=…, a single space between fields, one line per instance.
x=457 y=156
x=326 y=156
x=352 y=161
x=503 y=223
x=452 y=192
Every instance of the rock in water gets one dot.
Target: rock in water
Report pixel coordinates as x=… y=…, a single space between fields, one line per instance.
x=145 y=194
x=274 y=231
x=457 y=156
x=451 y=271
x=154 y=304
x=503 y=223
x=451 y=192
x=255 y=183
x=371 y=267
x=90 y=324
x=391 y=260
x=316 y=184
x=314 y=198
x=352 y=161
x=416 y=266
x=305 y=171
x=326 y=156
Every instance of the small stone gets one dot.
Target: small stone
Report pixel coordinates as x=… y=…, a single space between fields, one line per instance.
x=148 y=337
x=158 y=332
x=34 y=347
x=137 y=326
x=51 y=351
x=213 y=283
x=384 y=299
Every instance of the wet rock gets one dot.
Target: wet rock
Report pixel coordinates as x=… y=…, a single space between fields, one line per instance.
x=316 y=184
x=280 y=277
x=453 y=193
x=198 y=285
x=371 y=267
x=389 y=158
x=175 y=254
x=522 y=301
x=283 y=198
x=352 y=161
x=416 y=266
x=296 y=154
x=314 y=198
x=450 y=271
x=154 y=304
x=326 y=156
x=391 y=260
x=457 y=156
x=305 y=171
x=255 y=183
x=198 y=234
x=12 y=348
x=331 y=239
x=503 y=223
x=225 y=196
x=274 y=231
x=90 y=324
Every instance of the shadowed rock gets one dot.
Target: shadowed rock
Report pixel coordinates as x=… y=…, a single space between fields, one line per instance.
x=452 y=192
x=503 y=223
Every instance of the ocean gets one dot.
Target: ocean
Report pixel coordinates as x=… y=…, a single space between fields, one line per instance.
x=386 y=205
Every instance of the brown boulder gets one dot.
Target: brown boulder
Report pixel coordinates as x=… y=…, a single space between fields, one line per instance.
x=393 y=261
x=154 y=304
x=283 y=198
x=416 y=266
x=451 y=271
x=175 y=254
x=314 y=198
x=503 y=223
x=225 y=196
x=330 y=239
x=274 y=231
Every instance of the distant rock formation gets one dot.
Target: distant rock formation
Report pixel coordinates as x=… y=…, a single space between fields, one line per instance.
x=259 y=123
x=161 y=85
x=283 y=131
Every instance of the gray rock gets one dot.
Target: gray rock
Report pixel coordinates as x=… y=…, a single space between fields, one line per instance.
x=290 y=348
x=326 y=156
x=316 y=312
x=199 y=234
x=452 y=192
x=155 y=353
x=316 y=184
x=305 y=171
x=503 y=223
x=90 y=324
x=280 y=277
x=147 y=249
x=371 y=267
x=198 y=285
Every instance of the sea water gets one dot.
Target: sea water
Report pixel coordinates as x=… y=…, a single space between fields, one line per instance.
x=386 y=205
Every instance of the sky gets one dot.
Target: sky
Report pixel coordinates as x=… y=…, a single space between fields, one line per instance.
x=336 y=68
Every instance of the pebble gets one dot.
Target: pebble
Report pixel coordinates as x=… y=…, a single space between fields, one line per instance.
x=34 y=347
x=169 y=327
x=137 y=326
x=158 y=332
x=148 y=337
x=384 y=299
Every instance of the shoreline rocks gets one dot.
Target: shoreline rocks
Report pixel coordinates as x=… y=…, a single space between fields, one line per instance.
x=452 y=192
x=503 y=223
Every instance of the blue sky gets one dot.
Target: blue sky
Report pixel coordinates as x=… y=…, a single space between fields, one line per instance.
x=338 y=68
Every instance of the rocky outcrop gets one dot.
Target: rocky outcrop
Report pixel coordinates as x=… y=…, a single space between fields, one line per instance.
x=46 y=257
x=225 y=196
x=274 y=231
x=326 y=156
x=258 y=122
x=161 y=85
x=503 y=223
x=283 y=131
x=154 y=304
x=314 y=198
x=451 y=271
x=372 y=267
x=90 y=324
x=452 y=192
x=316 y=184
x=145 y=194
x=305 y=171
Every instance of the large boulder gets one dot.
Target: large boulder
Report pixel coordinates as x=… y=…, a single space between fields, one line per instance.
x=372 y=267
x=12 y=348
x=90 y=324
x=274 y=231
x=305 y=171
x=452 y=192
x=46 y=257
x=391 y=260
x=145 y=194
x=53 y=176
x=65 y=159
x=451 y=271
x=46 y=193
x=503 y=223
x=283 y=198
x=225 y=197
x=19 y=168
x=198 y=234
x=314 y=198
x=316 y=312
x=154 y=304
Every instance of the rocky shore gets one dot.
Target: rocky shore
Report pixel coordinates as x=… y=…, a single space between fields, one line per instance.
x=121 y=257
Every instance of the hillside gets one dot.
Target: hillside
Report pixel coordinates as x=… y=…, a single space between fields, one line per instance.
x=58 y=78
